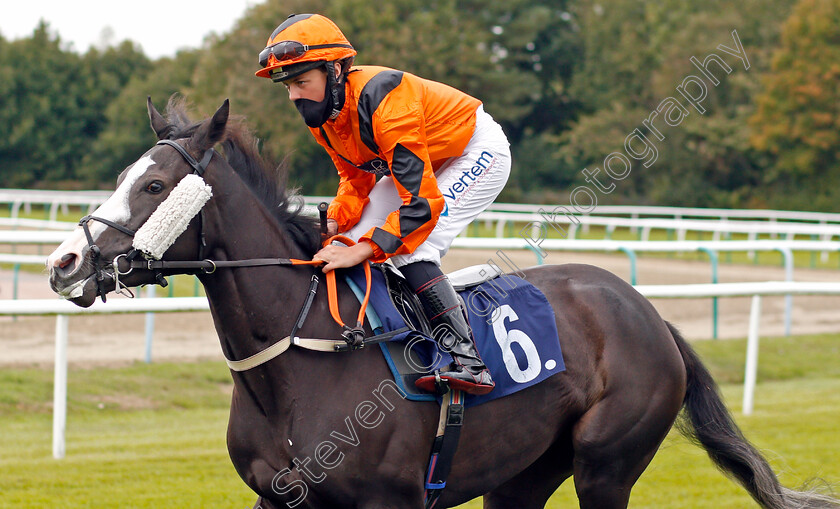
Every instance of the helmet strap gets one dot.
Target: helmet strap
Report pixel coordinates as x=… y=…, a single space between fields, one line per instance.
x=335 y=87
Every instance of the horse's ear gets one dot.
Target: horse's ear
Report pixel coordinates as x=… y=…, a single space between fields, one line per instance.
x=161 y=127
x=212 y=130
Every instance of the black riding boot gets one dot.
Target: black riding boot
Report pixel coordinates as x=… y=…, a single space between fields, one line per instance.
x=452 y=332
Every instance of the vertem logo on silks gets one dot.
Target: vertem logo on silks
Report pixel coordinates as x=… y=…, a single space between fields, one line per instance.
x=454 y=192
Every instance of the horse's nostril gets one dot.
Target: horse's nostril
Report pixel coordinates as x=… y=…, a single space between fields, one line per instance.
x=66 y=261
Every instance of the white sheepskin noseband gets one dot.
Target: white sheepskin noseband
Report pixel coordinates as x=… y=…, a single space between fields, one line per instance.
x=172 y=217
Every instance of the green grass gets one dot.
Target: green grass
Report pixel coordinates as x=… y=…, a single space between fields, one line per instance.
x=43 y=213
x=794 y=424
x=142 y=458
x=143 y=435
x=780 y=359
x=150 y=436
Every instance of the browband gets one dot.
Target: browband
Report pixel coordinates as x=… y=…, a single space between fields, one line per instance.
x=199 y=167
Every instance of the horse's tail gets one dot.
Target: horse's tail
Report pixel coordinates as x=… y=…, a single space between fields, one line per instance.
x=708 y=423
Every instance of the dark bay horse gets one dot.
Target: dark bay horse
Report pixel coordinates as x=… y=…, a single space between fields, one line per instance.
x=310 y=429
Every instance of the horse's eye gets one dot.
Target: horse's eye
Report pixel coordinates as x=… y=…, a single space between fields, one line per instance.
x=155 y=187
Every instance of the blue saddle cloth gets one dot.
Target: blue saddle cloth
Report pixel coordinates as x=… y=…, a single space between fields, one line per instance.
x=513 y=325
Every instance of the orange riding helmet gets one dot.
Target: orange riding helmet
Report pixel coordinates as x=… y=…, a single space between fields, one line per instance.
x=302 y=39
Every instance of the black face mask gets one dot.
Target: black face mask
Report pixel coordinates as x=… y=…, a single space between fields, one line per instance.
x=315 y=113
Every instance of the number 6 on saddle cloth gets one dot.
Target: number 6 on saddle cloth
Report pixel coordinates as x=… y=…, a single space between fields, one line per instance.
x=513 y=324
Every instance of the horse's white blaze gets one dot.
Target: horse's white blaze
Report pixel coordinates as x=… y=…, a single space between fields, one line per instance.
x=115 y=208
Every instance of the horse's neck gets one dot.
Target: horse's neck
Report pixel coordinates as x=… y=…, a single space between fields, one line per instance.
x=252 y=307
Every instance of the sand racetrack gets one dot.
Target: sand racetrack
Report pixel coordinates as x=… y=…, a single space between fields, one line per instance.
x=97 y=340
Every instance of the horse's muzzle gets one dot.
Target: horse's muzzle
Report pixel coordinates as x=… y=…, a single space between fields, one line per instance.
x=81 y=291
x=72 y=277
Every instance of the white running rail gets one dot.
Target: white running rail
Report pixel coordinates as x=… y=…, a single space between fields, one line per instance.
x=63 y=309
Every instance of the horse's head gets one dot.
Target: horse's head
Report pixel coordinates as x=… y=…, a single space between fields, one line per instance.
x=156 y=200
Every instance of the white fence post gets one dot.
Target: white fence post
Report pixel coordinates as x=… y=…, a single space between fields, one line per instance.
x=751 y=369
x=60 y=386
x=150 y=325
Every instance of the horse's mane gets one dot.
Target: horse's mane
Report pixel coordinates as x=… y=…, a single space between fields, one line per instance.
x=267 y=182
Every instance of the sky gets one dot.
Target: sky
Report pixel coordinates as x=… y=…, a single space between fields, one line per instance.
x=160 y=27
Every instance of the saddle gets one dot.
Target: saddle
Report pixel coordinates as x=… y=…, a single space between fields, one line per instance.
x=405 y=361
x=407 y=303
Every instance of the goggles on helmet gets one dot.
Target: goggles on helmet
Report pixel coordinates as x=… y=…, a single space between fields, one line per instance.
x=287 y=50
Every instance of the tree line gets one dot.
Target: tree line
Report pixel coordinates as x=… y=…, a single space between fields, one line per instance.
x=569 y=80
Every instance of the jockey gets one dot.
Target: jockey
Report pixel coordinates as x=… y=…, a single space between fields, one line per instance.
x=439 y=159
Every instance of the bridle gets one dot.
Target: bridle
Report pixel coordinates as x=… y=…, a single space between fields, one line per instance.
x=99 y=264
x=136 y=259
